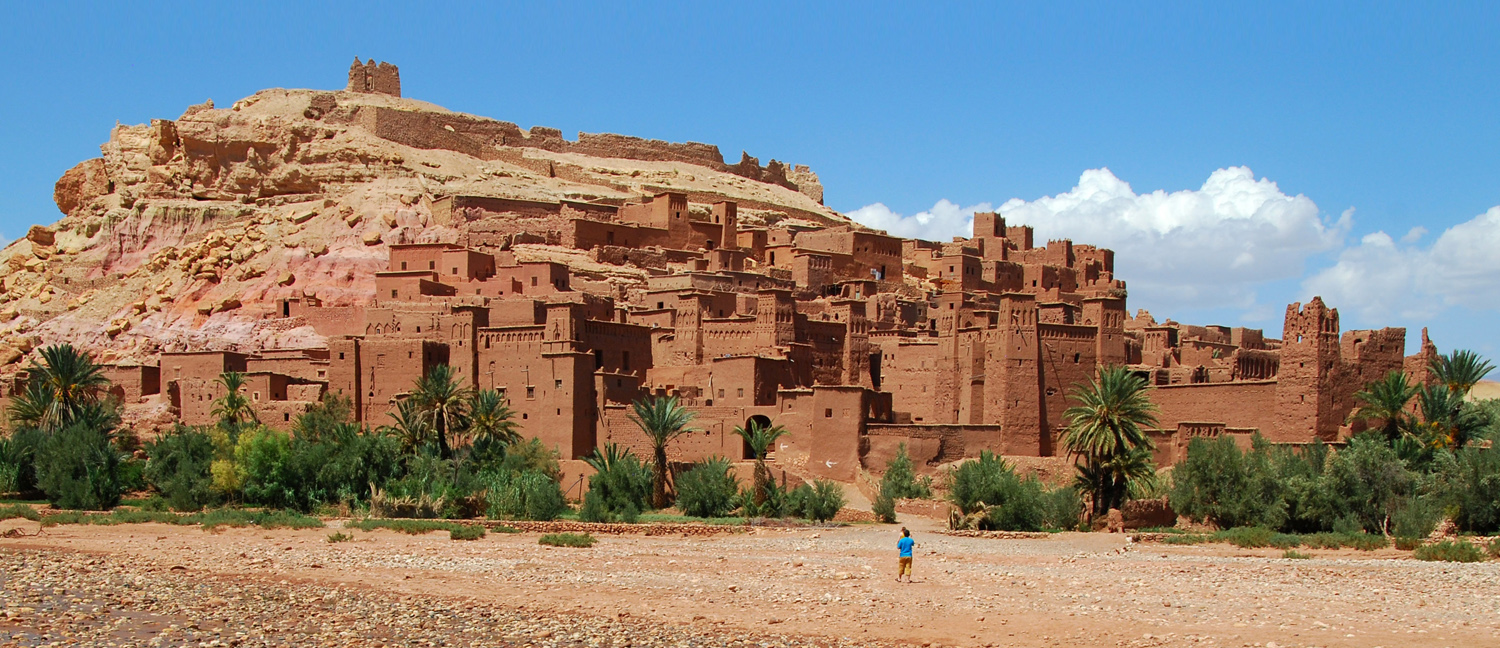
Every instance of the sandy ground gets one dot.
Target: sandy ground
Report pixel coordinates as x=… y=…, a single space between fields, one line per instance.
x=164 y=585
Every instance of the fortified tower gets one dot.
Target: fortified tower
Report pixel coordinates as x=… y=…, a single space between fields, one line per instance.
x=1015 y=389
x=1310 y=361
x=375 y=78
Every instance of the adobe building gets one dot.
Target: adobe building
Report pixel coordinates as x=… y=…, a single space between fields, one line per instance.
x=854 y=340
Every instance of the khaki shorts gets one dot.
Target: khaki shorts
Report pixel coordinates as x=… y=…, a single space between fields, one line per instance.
x=904 y=566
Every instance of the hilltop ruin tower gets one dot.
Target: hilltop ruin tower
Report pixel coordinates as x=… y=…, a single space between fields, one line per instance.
x=375 y=78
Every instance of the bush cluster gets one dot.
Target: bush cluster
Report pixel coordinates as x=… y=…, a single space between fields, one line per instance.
x=567 y=539
x=988 y=491
x=1451 y=551
x=708 y=489
x=899 y=482
x=1369 y=486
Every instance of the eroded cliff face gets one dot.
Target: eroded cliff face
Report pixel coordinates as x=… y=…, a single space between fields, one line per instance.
x=188 y=233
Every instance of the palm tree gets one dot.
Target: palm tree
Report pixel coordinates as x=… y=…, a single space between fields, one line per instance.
x=58 y=388
x=233 y=408
x=1107 y=430
x=662 y=419
x=1385 y=400
x=761 y=438
x=491 y=420
x=409 y=425
x=1460 y=370
x=1447 y=421
x=445 y=404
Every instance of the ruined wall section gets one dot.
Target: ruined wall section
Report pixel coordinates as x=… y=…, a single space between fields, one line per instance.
x=372 y=77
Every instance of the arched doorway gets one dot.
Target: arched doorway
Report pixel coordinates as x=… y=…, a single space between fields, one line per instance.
x=761 y=421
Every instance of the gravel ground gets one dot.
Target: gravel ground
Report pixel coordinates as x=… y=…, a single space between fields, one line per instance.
x=160 y=585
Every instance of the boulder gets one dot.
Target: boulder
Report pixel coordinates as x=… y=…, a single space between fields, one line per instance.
x=41 y=235
x=371 y=237
x=80 y=185
x=286 y=279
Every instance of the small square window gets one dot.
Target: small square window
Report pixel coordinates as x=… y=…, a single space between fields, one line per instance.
x=431 y=265
x=557 y=383
x=530 y=391
x=393 y=293
x=741 y=393
x=828 y=413
x=403 y=265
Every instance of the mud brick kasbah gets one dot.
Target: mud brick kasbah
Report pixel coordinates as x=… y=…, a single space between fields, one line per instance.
x=749 y=311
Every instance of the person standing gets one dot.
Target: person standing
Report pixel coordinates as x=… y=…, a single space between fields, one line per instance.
x=904 y=547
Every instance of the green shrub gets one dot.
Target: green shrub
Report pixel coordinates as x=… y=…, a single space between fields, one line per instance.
x=531 y=456
x=179 y=468
x=567 y=540
x=466 y=532
x=409 y=527
x=14 y=456
x=1247 y=537
x=528 y=495
x=1062 y=508
x=990 y=486
x=818 y=502
x=1368 y=481
x=1450 y=551
x=263 y=460
x=339 y=464
x=19 y=511
x=78 y=468
x=18 y=454
x=708 y=489
x=899 y=482
x=1470 y=483
x=1365 y=541
x=1294 y=555
x=1493 y=546
x=1417 y=519
x=775 y=505
x=1219 y=483
x=1406 y=544
x=1285 y=541
x=339 y=536
x=900 y=479
x=211 y=520
x=884 y=507
x=619 y=489
x=1322 y=541
x=1187 y=539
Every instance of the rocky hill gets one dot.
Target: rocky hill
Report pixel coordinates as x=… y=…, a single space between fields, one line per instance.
x=186 y=233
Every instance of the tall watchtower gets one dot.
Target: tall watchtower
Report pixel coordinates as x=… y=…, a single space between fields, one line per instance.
x=375 y=78
x=1310 y=362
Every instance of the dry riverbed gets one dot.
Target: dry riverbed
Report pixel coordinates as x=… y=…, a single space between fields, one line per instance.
x=173 y=586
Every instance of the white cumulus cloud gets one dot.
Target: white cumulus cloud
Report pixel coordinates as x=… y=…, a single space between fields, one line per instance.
x=1379 y=279
x=1203 y=248
x=943 y=222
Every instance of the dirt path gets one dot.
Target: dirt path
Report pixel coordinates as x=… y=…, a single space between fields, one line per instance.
x=776 y=586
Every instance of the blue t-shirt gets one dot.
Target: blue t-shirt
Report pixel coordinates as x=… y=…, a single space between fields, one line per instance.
x=905 y=545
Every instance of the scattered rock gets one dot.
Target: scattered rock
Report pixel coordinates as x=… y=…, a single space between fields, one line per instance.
x=41 y=235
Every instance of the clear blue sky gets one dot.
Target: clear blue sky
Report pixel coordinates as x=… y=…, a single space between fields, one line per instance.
x=1388 y=109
